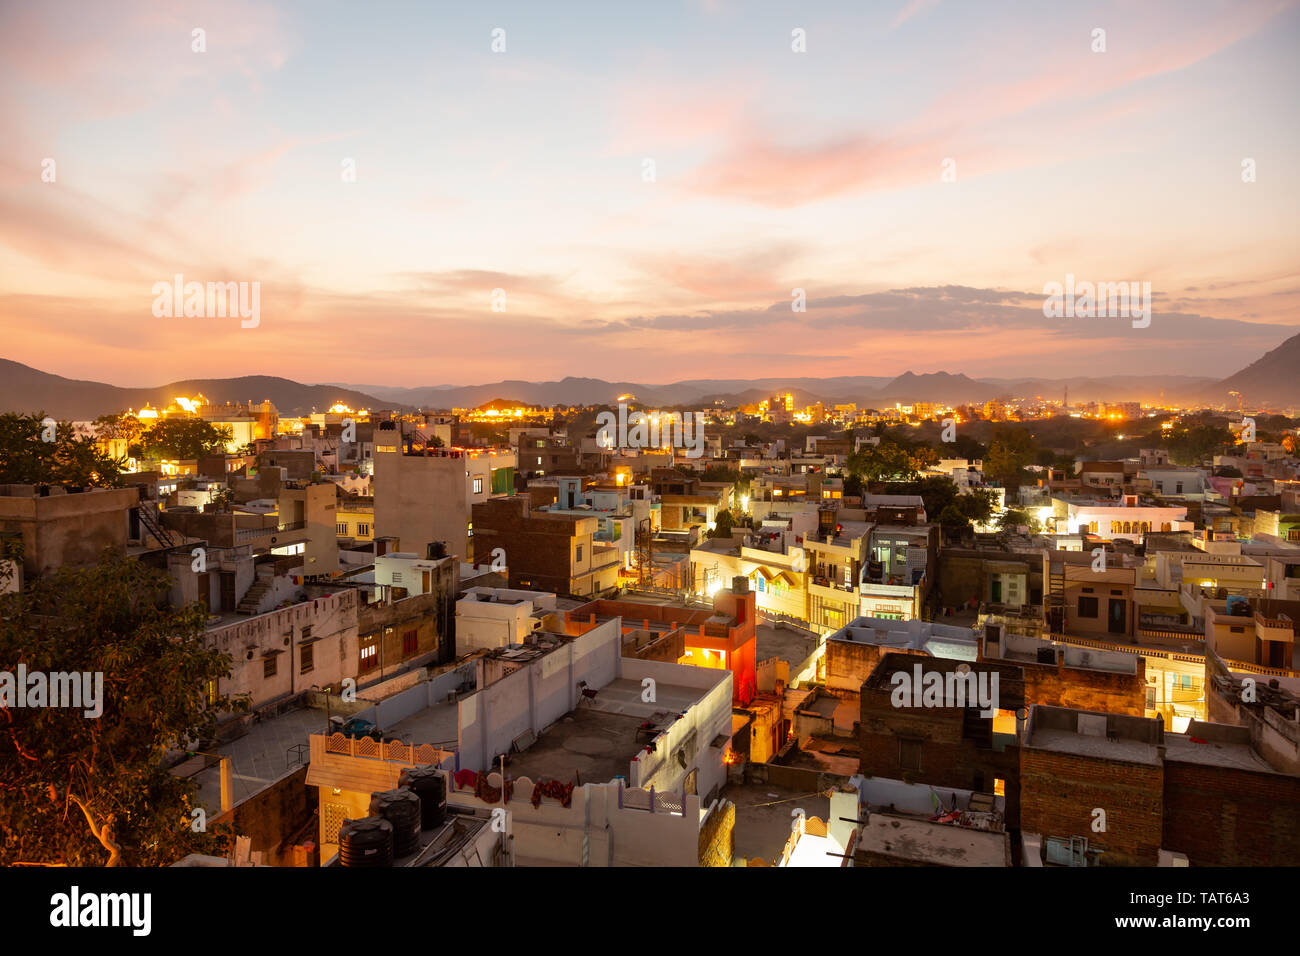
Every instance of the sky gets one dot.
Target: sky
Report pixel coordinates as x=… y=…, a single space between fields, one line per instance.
x=635 y=191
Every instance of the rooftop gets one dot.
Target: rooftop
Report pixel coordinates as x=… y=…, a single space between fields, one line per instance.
x=598 y=741
x=935 y=844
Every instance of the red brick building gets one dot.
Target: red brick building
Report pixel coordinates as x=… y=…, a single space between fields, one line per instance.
x=946 y=746
x=1207 y=793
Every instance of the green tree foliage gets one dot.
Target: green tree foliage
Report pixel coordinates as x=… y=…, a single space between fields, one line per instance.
x=942 y=496
x=181 y=438
x=1010 y=450
x=91 y=791
x=891 y=460
x=963 y=446
x=118 y=426
x=27 y=458
x=724 y=523
x=1013 y=518
x=1192 y=443
x=954 y=523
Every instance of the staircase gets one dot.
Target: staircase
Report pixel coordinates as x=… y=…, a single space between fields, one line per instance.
x=1056 y=598
x=150 y=524
x=252 y=599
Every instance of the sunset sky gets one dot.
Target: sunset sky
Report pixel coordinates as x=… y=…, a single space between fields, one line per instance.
x=523 y=170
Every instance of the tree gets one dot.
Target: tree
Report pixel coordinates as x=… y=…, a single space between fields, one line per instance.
x=977 y=504
x=889 y=461
x=954 y=523
x=723 y=525
x=1014 y=518
x=118 y=426
x=181 y=438
x=27 y=458
x=1010 y=450
x=88 y=791
x=1191 y=444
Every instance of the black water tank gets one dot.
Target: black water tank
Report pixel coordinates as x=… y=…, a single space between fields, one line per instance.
x=428 y=783
x=401 y=808
x=366 y=842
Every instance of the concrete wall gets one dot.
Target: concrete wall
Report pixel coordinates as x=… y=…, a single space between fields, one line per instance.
x=536 y=695
x=334 y=656
x=424 y=694
x=594 y=830
x=420 y=499
x=695 y=731
x=272 y=815
x=66 y=529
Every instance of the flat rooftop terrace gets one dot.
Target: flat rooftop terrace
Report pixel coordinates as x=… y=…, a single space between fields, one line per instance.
x=583 y=746
x=933 y=844
x=599 y=738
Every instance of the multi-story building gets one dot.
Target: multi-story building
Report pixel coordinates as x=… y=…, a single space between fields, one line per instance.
x=425 y=494
x=722 y=639
x=545 y=551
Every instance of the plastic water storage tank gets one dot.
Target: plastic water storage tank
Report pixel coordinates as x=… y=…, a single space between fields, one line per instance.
x=366 y=842
x=430 y=786
x=1238 y=606
x=401 y=808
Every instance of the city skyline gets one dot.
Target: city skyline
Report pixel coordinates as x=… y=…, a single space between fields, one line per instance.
x=524 y=170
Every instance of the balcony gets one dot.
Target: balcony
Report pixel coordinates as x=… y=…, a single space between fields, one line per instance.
x=832 y=590
x=603 y=557
x=246 y=535
x=1278 y=628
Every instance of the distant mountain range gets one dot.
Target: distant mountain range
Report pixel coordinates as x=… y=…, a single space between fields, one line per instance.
x=1273 y=381
x=25 y=389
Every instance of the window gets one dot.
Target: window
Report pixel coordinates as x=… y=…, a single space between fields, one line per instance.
x=305 y=657
x=341 y=528
x=410 y=643
x=1151 y=698
x=577 y=553
x=478 y=486
x=1087 y=607
x=363 y=528
x=909 y=754
x=306 y=632
x=369 y=655
x=268 y=667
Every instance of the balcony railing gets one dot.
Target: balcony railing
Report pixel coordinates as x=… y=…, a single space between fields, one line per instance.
x=248 y=534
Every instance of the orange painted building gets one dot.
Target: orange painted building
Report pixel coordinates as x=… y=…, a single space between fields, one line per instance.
x=723 y=638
